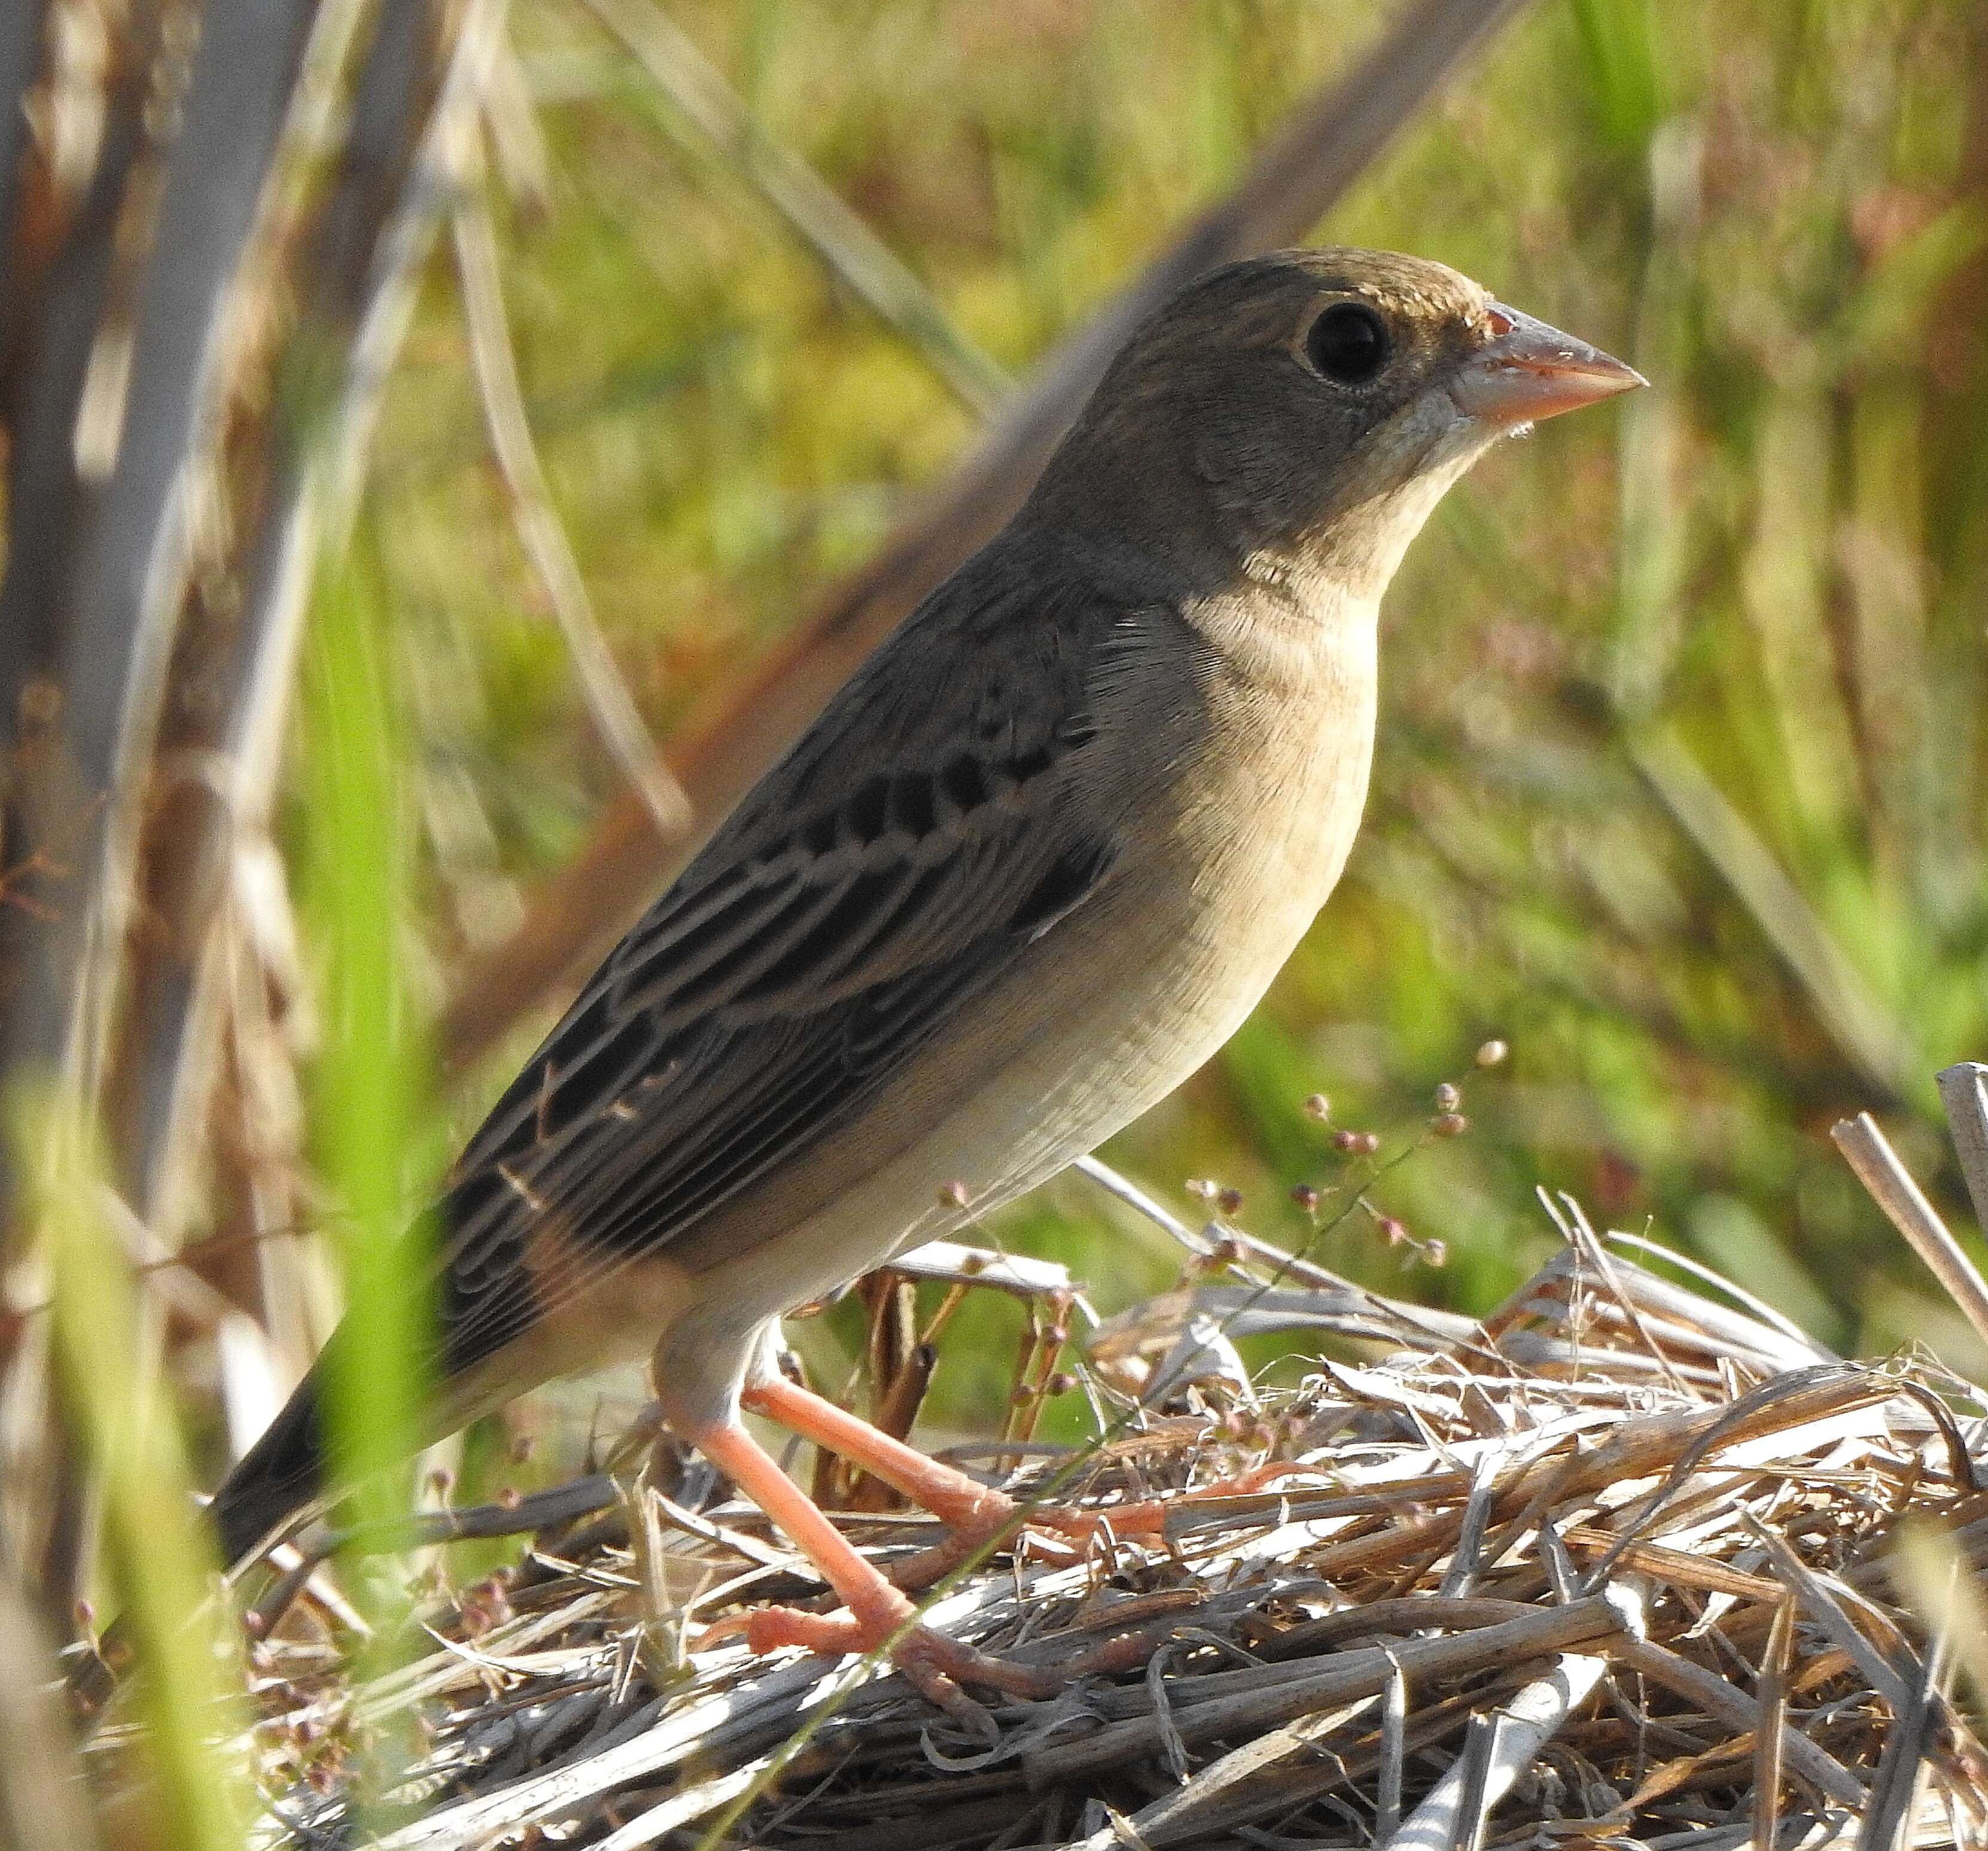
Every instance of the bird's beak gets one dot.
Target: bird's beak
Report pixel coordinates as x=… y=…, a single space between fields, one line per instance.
x=1527 y=371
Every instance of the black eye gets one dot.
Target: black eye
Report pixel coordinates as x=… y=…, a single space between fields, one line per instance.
x=1348 y=344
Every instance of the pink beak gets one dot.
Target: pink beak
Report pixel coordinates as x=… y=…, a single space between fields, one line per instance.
x=1528 y=371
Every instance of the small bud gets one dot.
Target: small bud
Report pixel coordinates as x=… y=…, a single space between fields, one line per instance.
x=86 y=1616
x=1370 y=1142
x=1346 y=1140
x=508 y=1498
x=254 y=1624
x=1491 y=1053
x=953 y=1195
x=1435 y=1253
x=1061 y=1382
x=1450 y=1124
x=972 y=1265
x=1392 y=1231
x=1306 y=1197
x=1226 y=1251
x=1319 y=1107
x=1447 y=1097
x=1201 y=1188
x=1056 y=1335
x=1229 y=1201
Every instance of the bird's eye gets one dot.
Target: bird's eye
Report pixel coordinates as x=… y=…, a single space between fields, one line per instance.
x=1348 y=344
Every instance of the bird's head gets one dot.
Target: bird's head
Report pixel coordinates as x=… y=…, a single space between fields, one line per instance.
x=1300 y=414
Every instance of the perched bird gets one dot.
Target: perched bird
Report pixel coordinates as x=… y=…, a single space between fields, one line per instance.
x=1029 y=870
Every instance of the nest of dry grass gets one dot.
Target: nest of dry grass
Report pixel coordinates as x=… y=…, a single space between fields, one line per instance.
x=1620 y=1563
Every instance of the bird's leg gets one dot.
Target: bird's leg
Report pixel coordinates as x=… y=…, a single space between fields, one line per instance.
x=879 y=1614
x=963 y=1503
x=974 y=1511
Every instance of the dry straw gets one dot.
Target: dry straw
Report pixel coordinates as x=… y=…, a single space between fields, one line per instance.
x=1617 y=1563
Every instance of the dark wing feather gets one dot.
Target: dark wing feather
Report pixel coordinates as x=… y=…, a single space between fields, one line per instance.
x=807 y=953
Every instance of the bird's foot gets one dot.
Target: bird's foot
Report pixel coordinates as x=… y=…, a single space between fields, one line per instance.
x=939 y=1668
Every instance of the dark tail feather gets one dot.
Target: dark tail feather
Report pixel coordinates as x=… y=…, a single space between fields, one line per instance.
x=278 y=1476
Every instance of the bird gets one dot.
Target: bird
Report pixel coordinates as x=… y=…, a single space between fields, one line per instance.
x=1028 y=870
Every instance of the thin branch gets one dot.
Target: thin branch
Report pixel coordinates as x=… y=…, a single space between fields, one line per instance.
x=1304 y=171
x=1963 y=1091
x=1874 y=1041
x=1869 y=1152
x=700 y=100
x=616 y=716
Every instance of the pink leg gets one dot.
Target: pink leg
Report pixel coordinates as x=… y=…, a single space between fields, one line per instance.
x=879 y=1615
x=973 y=1510
x=963 y=1502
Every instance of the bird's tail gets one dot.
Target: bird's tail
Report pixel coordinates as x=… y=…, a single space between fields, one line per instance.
x=277 y=1477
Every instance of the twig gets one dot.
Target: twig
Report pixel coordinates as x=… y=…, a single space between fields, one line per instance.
x=1902 y=1766
x=1584 y=1235
x=616 y=716
x=1829 y=1612
x=1521 y=1727
x=1963 y=1091
x=1740 y=1713
x=1268 y=1698
x=1875 y=1042
x=1136 y=1199
x=1773 y=1693
x=701 y=99
x=1869 y=1153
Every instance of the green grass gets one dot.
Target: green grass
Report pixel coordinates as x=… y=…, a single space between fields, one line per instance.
x=369 y=1084
x=157 y=1570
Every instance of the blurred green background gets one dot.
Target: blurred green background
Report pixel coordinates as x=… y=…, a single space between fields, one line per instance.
x=1680 y=782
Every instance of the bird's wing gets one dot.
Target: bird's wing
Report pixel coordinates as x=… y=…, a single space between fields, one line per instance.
x=831 y=928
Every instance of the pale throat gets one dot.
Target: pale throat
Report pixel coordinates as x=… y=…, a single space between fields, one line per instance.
x=1351 y=555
